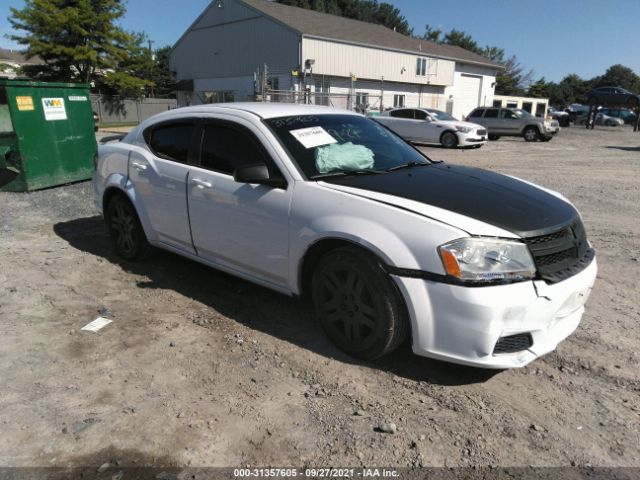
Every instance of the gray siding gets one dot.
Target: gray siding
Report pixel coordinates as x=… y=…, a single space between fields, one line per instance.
x=233 y=41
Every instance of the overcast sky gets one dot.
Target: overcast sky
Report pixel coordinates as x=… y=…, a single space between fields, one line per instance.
x=553 y=37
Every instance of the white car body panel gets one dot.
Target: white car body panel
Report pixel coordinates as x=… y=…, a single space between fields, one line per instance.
x=430 y=130
x=262 y=234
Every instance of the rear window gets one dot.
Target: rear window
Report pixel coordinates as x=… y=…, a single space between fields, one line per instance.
x=408 y=113
x=171 y=141
x=477 y=113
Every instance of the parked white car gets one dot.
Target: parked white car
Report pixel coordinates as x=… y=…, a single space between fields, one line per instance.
x=427 y=125
x=478 y=268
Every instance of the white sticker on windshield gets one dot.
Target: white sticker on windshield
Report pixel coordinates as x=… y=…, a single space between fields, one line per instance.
x=313 y=137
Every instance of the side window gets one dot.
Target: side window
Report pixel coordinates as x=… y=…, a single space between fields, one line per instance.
x=224 y=149
x=477 y=113
x=491 y=113
x=405 y=113
x=508 y=114
x=171 y=141
x=420 y=115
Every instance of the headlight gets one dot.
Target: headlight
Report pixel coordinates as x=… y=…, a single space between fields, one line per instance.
x=487 y=260
x=464 y=129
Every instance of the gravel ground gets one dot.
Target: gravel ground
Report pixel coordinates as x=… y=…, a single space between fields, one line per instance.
x=202 y=369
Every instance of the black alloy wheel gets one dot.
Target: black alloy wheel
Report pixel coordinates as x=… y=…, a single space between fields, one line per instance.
x=357 y=304
x=125 y=229
x=449 y=140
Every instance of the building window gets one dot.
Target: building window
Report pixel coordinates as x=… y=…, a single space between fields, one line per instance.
x=323 y=86
x=497 y=103
x=421 y=67
x=512 y=104
x=273 y=83
x=398 y=101
x=362 y=101
x=218 y=96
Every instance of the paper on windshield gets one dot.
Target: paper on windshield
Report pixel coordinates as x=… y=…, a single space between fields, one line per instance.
x=313 y=137
x=346 y=156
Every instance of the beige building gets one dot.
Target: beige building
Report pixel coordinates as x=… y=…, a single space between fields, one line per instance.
x=535 y=106
x=338 y=61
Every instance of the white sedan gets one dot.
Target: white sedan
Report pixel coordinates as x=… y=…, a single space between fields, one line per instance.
x=326 y=205
x=427 y=125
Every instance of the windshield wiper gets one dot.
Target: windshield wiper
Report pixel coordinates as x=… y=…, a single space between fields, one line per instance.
x=407 y=165
x=346 y=173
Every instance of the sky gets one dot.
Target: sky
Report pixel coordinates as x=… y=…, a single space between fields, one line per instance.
x=552 y=37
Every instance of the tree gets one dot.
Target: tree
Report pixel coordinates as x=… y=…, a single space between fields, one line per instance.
x=78 y=40
x=618 y=76
x=461 y=39
x=161 y=75
x=365 y=10
x=432 y=34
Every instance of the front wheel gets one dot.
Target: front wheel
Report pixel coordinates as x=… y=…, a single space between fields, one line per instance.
x=449 y=140
x=126 y=230
x=530 y=134
x=357 y=304
x=494 y=137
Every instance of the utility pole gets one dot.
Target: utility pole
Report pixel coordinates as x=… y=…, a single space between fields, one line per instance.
x=151 y=42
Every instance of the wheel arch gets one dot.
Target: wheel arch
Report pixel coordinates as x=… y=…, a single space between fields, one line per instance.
x=125 y=187
x=448 y=130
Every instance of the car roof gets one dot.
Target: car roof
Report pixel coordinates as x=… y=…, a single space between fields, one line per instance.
x=262 y=110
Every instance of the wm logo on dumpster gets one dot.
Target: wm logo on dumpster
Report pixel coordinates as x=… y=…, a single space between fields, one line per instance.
x=52 y=102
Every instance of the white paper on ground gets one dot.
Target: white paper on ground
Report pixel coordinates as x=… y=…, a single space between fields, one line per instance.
x=97 y=324
x=313 y=137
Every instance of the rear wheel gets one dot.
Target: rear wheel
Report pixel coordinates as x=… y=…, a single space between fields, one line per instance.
x=530 y=134
x=449 y=140
x=357 y=304
x=126 y=230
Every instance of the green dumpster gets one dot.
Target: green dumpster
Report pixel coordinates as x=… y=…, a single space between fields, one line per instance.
x=47 y=134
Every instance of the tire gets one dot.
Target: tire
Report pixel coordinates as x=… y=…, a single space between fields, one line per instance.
x=493 y=137
x=449 y=140
x=531 y=134
x=125 y=229
x=357 y=304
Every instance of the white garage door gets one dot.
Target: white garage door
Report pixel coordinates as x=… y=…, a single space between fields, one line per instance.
x=468 y=95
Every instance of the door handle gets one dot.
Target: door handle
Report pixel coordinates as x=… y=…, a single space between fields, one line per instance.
x=139 y=166
x=201 y=183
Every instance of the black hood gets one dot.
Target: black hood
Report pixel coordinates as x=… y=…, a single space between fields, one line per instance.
x=480 y=194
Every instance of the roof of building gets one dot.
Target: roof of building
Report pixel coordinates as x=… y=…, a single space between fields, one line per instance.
x=324 y=25
x=14 y=56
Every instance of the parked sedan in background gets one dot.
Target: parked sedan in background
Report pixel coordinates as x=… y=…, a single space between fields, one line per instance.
x=562 y=117
x=625 y=114
x=612 y=96
x=602 y=119
x=427 y=125
x=514 y=122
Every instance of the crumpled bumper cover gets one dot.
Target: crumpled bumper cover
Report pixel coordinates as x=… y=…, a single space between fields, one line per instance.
x=463 y=324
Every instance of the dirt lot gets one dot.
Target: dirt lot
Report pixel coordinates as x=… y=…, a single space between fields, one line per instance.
x=199 y=368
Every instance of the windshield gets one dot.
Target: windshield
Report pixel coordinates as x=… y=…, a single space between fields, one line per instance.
x=340 y=144
x=522 y=113
x=440 y=115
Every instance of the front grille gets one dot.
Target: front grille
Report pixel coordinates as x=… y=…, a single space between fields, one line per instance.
x=561 y=254
x=481 y=131
x=513 y=343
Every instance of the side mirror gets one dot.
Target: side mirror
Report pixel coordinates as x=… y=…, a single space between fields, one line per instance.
x=257 y=173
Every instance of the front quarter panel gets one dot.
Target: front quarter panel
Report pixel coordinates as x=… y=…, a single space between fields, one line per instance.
x=398 y=237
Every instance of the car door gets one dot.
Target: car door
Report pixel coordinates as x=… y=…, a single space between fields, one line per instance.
x=159 y=177
x=492 y=121
x=511 y=123
x=402 y=122
x=425 y=128
x=239 y=226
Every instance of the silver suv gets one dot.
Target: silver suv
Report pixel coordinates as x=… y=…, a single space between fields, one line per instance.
x=514 y=122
